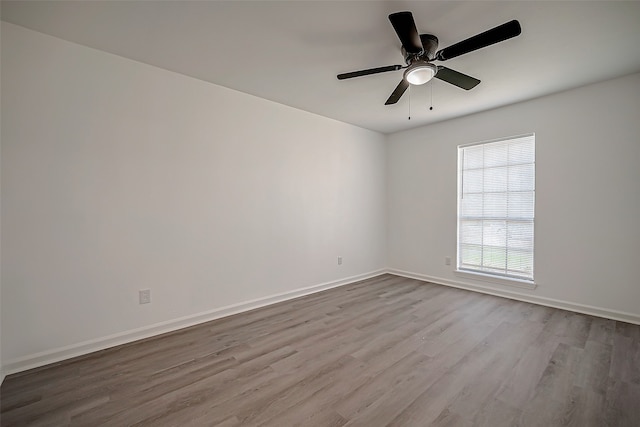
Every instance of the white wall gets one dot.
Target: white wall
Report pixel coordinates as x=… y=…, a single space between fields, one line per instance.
x=587 y=195
x=118 y=176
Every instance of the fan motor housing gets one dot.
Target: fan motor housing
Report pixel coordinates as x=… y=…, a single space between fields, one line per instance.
x=429 y=44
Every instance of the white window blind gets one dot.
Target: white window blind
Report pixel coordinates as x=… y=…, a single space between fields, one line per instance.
x=496 y=200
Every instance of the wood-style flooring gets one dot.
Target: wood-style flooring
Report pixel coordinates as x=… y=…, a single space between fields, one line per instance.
x=384 y=351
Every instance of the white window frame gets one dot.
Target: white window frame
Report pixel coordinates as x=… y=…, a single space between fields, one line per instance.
x=479 y=274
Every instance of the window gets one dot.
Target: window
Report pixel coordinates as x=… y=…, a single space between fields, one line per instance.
x=496 y=199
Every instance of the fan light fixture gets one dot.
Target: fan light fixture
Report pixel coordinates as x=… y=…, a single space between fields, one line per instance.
x=420 y=72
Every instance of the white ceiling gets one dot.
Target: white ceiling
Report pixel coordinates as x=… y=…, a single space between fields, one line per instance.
x=291 y=51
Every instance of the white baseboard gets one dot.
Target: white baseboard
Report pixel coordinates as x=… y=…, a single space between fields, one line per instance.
x=549 y=302
x=90 y=346
x=56 y=355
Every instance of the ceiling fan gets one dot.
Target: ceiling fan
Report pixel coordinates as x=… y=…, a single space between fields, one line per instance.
x=419 y=51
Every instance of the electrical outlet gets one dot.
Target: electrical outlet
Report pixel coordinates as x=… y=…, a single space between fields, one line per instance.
x=339 y=260
x=144 y=296
x=447 y=260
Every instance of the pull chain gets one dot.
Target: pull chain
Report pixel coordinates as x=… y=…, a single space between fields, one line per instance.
x=409 y=102
x=431 y=95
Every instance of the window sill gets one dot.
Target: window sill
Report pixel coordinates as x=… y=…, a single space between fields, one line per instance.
x=496 y=280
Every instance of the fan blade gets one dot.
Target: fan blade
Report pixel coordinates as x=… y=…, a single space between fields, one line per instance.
x=397 y=93
x=456 y=78
x=406 y=30
x=489 y=37
x=368 y=72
